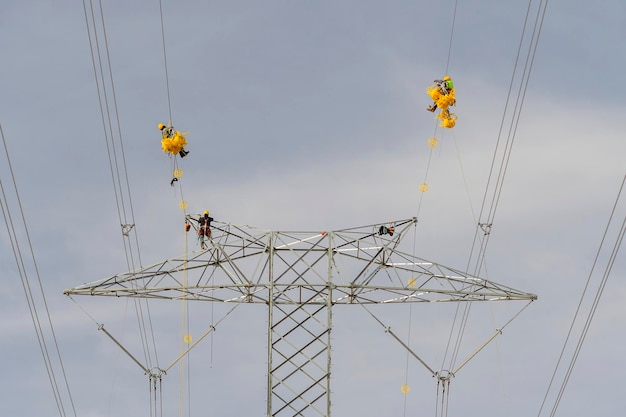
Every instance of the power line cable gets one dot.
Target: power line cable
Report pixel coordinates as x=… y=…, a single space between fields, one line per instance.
x=593 y=308
x=167 y=78
x=109 y=112
x=30 y=298
x=500 y=164
x=436 y=128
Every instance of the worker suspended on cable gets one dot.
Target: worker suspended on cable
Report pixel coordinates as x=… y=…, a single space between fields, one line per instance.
x=442 y=94
x=172 y=141
x=204 y=228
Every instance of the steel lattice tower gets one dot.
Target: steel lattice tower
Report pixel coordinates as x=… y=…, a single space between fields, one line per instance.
x=300 y=276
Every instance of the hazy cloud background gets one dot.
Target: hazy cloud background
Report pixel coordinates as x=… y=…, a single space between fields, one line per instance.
x=311 y=116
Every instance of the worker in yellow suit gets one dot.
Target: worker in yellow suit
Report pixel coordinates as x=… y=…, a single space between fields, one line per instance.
x=442 y=94
x=172 y=141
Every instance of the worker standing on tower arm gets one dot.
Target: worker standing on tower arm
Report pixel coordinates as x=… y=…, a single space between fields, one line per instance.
x=204 y=228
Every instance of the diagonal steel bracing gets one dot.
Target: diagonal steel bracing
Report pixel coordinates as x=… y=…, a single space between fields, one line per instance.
x=301 y=276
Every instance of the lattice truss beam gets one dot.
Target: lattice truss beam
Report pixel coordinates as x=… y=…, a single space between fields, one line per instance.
x=300 y=276
x=299 y=360
x=247 y=265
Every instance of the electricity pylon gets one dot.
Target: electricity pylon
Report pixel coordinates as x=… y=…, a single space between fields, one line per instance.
x=300 y=276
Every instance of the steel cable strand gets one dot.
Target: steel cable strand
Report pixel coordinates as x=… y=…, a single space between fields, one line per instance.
x=580 y=302
x=510 y=137
x=122 y=152
x=499 y=136
x=512 y=130
x=167 y=80
x=28 y=291
x=182 y=205
x=139 y=310
x=521 y=94
x=436 y=123
x=114 y=165
x=590 y=317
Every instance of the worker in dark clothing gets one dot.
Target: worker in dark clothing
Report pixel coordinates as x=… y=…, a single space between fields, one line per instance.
x=204 y=228
x=384 y=230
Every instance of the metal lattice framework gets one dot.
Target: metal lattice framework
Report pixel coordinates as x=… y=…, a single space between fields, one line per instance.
x=301 y=276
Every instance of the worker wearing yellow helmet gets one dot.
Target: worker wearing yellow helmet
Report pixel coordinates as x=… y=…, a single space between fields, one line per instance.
x=172 y=141
x=204 y=230
x=446 y=87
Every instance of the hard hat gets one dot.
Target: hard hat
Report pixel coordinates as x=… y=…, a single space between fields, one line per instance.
x=206 y=212
x=161 y=126
x=446 y=78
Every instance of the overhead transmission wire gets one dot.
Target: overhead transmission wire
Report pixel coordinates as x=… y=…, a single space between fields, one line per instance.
x=486 y=225
x=503 y=164
x=167 y=78
x=423 y=191
x=592 y=310
x=127 y=227
x=169 y=98
x=437 y=123
x=117 y=163
x=185 y=314
x=512 y=130
x=28 y=291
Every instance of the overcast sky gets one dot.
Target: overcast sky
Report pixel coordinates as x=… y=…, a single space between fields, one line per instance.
x=311 y=116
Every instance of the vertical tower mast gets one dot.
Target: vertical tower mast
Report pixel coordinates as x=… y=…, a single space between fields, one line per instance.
x=301 y=276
